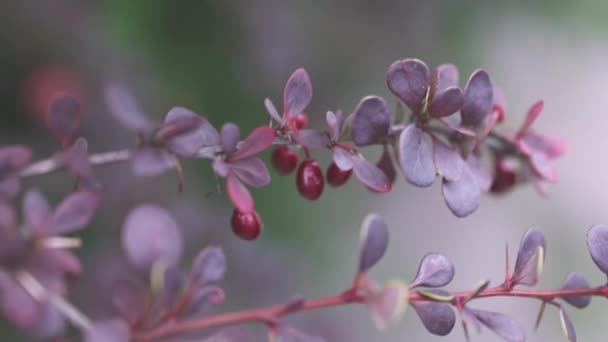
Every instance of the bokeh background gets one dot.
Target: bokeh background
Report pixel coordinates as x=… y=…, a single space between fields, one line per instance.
x=221 y=58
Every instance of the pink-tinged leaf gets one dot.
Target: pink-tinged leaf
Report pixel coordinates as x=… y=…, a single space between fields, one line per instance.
x=125 y=108
x=482 y=174
x=115 y=330
x=74 y=213
x=597 y=242
x=312 y=138
x=209 y=266
x=36 y=209
x=370 y=175
x=575 y=280
x=9 y=187
x=343 y=159
x=205 y=297
x=188 y=143
x=64 y=116
x=260 y=139
x=385 y=163
x=543 y=168
x=438 y=318
x=530 y=258
x=251 y=171
x=297 y=93
x=149 y=161
x=446 y=102
x=478 y=95
x=462 y=196
x=334 y=122
x=415 y=157
x=448 y=161
x=150 y=235
x=220 y=167
x=388 y=305
x=533 y=114
x=373 y=241
x=567 y=325
x=409 y=80
x=435 y=270
x=371 y=122
x=501 y=324
x=550 y=146
x=444 y=76
x=229 y=137
x=14 y=158
x=272 y=110
x=453 y=122
x=239 y=195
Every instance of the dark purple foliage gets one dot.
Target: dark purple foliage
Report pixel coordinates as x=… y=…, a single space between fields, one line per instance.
x=530 y=258
x=501 y=324
x=373 y=242
x=575 y=280
x=438 y=318
x=416 y=157
x=409 y=80
x=371 y=121
x=597 y=242
x=435 y=270
x=478 y=98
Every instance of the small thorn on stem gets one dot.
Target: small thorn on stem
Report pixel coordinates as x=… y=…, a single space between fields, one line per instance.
x=539 y=317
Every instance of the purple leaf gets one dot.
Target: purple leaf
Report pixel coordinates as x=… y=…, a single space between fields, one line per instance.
x=230 y=136
x=444 y=76
x=115 y=330
x=150 y=234
x=272 y=110
x=462 y=196
x=597 y=242
x=125 y=108
x=334 y=122
x=530 y=258
x=205 y=297
x=220 y=167
x=260 y=139
x=480 y=172
x=74 y=213
x=575 y=280
x=453 y=122
x=149 y=161
x=51 y=323
x=416 y=157
x=77 y=163
x=567 y=325
x=127 y=299
x=7 y=222
x=209 y=266
x=251 y=171
x=36 y=209
x=501 y=324
x=438 y=318
x=386 y=165
x=64 y=116
x=312 y=138
x=478 y=97
x=371 y=122
x=297 y=93
x=9 y=187
x=343 y=159
x=542 y=166
x=435 y=270
x=373 y=241
x=13 y=158
x=188 y=143
x=409 y=80
x=388 y=305
x=16 y=304
x=448 y=161
x=533 y=114
x=370 y=175
x=446 y=102
x=239 y=195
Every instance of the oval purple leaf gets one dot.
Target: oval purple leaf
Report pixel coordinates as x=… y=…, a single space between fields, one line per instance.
x=272 y=110
x=373 y=241
x=480 y=172
x=371 y=122
x=64 y=116
x=188 y=143
x=437 y=318
x=149 y=161
x=257 y=141
x=13 y=158
x=446 y=103
x=448 y=161
x=209 y=266
x=74 y=213
x=252 y=171
x=409 y=80
x=115 y=330
x=478 y=97
x=125 y=108
x=530 y=258
x=312 y=138
x=435 y=270
x=501 y=324
x=297 y=93
x=150 y=234
x=334 y=122
x=415 y=157
x=444 y=76
x=239 y=195
x=386 y=165
x=342 y=158
x=370 y=175
x=230 y=136
x=597 y=242
x=36 y=209
x=575 y=280
x=462 y=196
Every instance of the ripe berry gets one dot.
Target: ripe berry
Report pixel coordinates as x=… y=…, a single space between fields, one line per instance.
x=504 y=177
x=284 y=160
x=337 y=177
x=247 y=226
x=301 y=120
x=310 y=180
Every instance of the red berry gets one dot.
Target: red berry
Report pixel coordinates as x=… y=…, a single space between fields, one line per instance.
x=247 y=226
x=310 y=180
x=504 y=177
x=284 y=160
x=337 y=177
x=301 y=120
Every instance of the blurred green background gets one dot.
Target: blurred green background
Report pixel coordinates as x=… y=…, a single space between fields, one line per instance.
x=222 y=58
